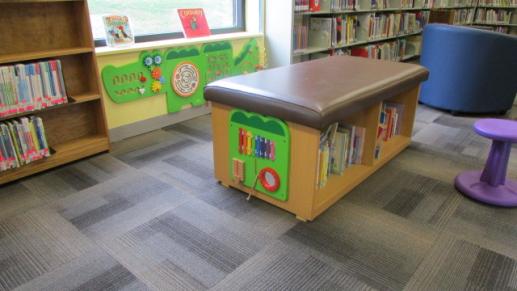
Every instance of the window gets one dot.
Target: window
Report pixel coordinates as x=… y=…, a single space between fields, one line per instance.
x=157 y=19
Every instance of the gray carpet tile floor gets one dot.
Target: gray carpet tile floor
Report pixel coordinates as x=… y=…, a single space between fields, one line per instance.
x=150 y=215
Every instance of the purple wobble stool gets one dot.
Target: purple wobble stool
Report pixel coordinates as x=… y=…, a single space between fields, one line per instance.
x=490 y=185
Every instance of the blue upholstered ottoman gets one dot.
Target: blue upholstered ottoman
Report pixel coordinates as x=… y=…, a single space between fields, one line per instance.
x=471 y=70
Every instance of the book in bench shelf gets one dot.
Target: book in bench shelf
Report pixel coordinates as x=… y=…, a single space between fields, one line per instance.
x=390 y=123
x=341 y=145
x=30 y=87
x=22 y=142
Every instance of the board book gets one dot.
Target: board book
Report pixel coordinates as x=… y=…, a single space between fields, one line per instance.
x=118 y=30
x=193 y=22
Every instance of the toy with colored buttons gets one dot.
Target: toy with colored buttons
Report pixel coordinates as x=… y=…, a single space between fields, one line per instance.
x=152 y=63
x=257 y=145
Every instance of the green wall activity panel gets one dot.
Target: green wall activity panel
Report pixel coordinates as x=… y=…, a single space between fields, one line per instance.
x=181 y=73
x=135 y=81
x=186 y=78
x=219 y=57
x=248 y=60
x=260 y=147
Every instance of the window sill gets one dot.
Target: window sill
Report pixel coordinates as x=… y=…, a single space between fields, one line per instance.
x=105 y=51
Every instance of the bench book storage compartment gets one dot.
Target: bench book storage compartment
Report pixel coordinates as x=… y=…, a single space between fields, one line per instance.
x=302 y=136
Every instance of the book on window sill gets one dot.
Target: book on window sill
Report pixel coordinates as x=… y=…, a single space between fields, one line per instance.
x=118 y=30
x=193 y=22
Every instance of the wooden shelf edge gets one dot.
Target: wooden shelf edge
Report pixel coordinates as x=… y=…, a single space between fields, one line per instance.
x=391 y=148
x=311 y=50
x=86 y=97
x=76 y=99
x=65 y=153
x=495 y=24
x=20 y=57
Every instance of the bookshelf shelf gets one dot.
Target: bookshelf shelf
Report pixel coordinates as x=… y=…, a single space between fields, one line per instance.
x=352 y=11
x=497 y=7
x=311 y=50
x=495 y=24
x=64 y=153
x=453 y=7
x=352 y=176
x=392 y=147
x=76 y=129
x=409 y=57
x=307 y=51
x=78 y=99
x=29 y=56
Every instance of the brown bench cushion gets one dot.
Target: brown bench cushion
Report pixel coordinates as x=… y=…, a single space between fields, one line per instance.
x=317 y=93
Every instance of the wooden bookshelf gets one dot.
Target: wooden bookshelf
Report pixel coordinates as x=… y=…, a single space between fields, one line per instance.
x=39 y=30
x=282 y=18
x=446 y=15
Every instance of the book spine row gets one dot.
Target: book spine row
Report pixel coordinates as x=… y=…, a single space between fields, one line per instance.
x=493 y=16
x=463 y=16
x=450 y=3
x=340 y=147
x=500 y=3
x=22 y=142
x=30 y=87
x=393 y=24
x=301 y=36
x=390 y=51
x=501 y=29
x=382 y=4
x=338 y=5
x=301 y=5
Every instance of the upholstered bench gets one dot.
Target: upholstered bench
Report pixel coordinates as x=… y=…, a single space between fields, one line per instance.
x=267 y=128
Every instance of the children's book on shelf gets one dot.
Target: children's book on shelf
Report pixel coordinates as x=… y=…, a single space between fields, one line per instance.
x=314 y=5
x=301 y=33
x=118 y=30
x=341 y=145
x=30 y=87
x=22 y=142
x=193 y=22
x=390 y=51
x=390 y=122
x=320 y=32
x=493 y=16
x=339 y=5
x=301 y=5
